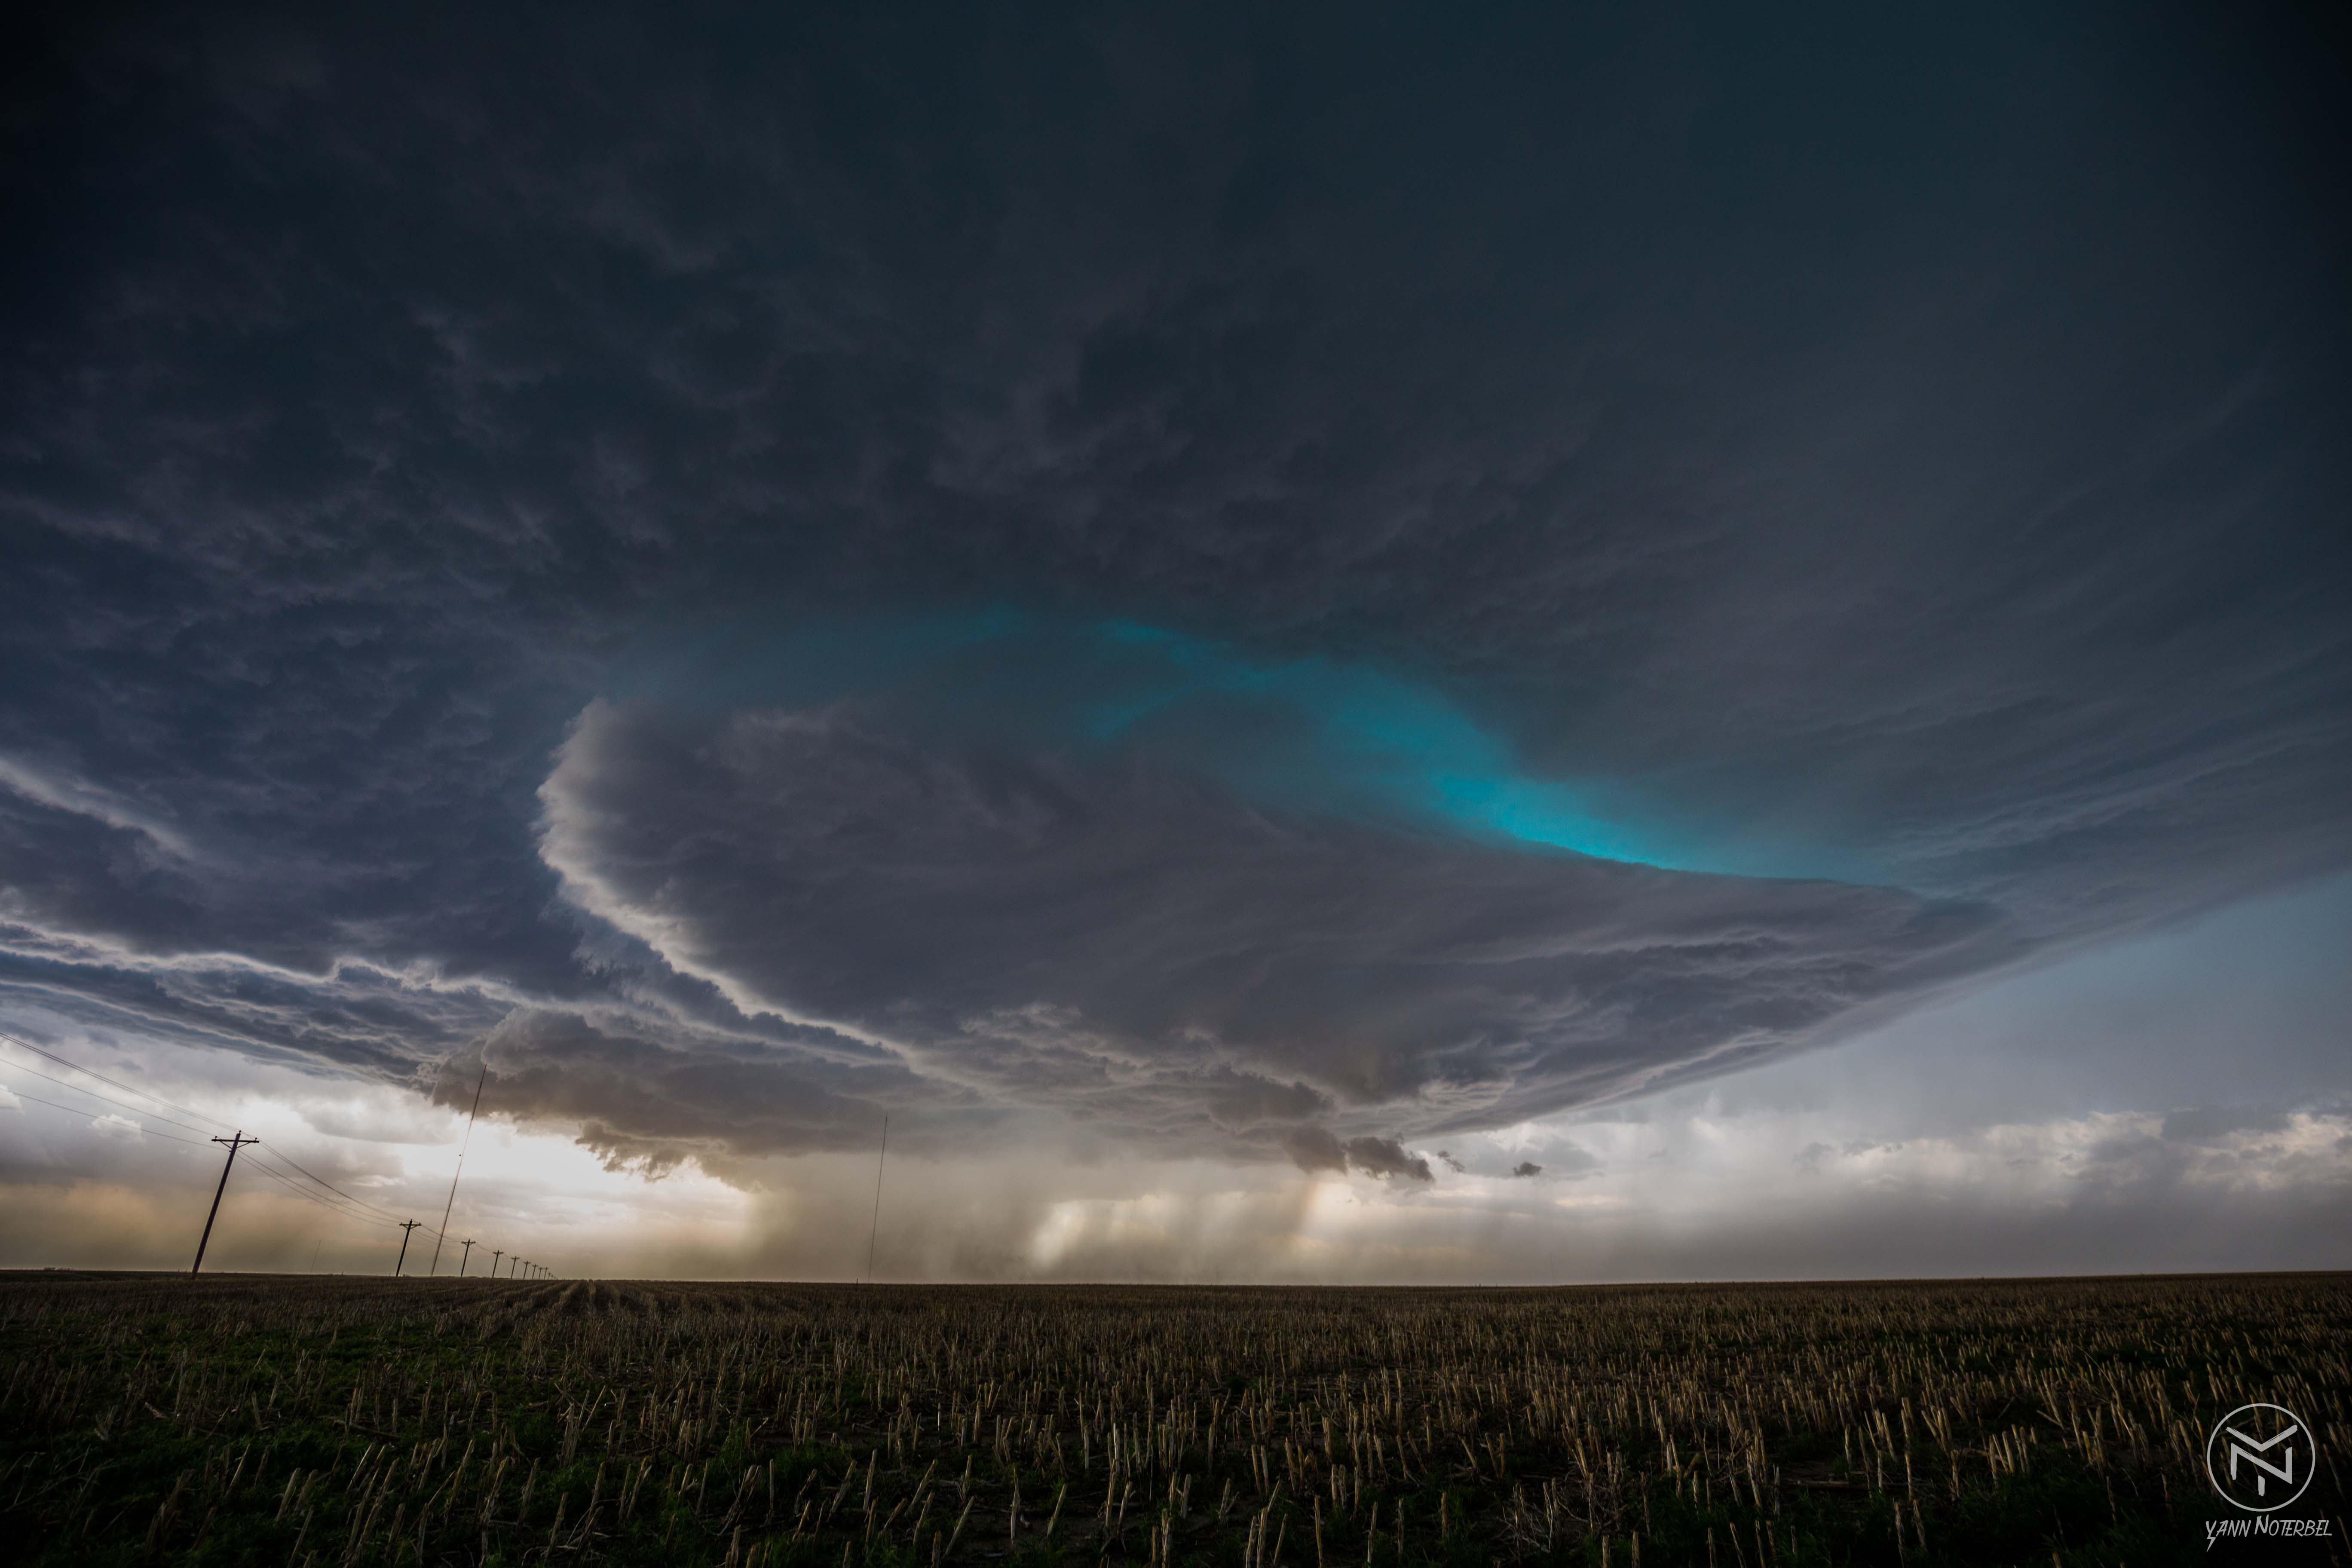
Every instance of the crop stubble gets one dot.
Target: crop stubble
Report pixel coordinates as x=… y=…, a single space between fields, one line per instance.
x=343 y=1421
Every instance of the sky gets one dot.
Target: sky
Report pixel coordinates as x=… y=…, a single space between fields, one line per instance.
x=1555 y=644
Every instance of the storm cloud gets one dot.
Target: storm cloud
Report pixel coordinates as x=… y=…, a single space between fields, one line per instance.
x=1250 y=587
x=1119 y=944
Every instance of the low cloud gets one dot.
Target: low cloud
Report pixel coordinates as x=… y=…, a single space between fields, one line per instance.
x=1526 y=1168
x=1385 y=1158
x=119 y=1127
x=2209 y=1123
x=1314 y=1149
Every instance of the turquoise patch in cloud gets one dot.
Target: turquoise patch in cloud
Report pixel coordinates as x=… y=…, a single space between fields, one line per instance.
x=1310 y=734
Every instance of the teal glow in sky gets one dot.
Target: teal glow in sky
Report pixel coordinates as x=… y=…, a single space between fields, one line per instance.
x=1311 y=734
x=1370 y=741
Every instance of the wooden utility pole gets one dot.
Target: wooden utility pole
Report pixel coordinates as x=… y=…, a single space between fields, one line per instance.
x=495 y=1253
x=406 y=1226
x=233 y=1145
x=465 y=1257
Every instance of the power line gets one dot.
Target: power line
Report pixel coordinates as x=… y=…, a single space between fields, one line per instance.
x=330 y=1186
x=273 y=1164
x=93 y=1072
x=109 y=1099
x=281 y=1178
x=84 y=1111
x=257 y=1160
x=307 y=1195
x=346 y=1204
x=386 y=1214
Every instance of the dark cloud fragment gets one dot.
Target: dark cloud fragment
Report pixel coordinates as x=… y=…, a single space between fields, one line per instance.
x=1314 y=1149
x=1386 y=1158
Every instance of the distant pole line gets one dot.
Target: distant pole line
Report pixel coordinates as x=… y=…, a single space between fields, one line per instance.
x=465 y=1257
x=876 y=1230
x=233 y=1144
x=406 y=1226
x=442 y=1235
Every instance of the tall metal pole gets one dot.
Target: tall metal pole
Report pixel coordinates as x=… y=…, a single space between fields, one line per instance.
x=233 y=1145
x=877 y=1229
x=406 y=1226
x=442 y=1235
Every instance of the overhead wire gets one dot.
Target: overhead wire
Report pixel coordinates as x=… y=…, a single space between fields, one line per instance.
x=309 y=1196
x=270 y=1160
x=348 y=1204
x=109 y=1099
x=83 y=1111
x=253 y=1160
x=330 y=1186
x=129 y=1089
x=92 y=1072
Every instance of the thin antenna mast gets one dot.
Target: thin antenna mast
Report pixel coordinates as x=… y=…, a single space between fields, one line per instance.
x=439 y=1235
x=877 y=1230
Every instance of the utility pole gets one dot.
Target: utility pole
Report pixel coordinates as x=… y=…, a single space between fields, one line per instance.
x=877 y=1229
x=465 y=1257
x=442 y=1235
x=495 y=1253
x=232 y=1146
x=406 y=1226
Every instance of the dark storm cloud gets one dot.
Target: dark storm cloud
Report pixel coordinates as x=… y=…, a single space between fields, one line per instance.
x=650 y=1102
x=1314 y=1149
x=1900 y=449
x=1094 y=936
x=1385 y=1158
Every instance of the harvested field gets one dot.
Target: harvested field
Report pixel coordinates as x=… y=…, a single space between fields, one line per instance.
x=347 y=1421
